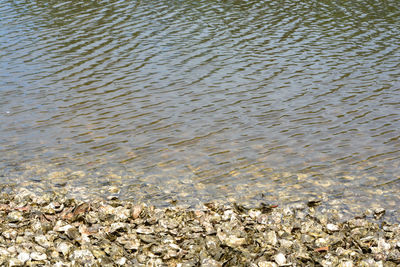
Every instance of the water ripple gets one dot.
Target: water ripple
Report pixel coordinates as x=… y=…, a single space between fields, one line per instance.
x=223 y=96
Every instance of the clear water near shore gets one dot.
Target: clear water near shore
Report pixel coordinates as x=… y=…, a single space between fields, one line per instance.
x=275 y=101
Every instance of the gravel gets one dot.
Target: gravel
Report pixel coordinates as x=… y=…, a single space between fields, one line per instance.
x=53 y=230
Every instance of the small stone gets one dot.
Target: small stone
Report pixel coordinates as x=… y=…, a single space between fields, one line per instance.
x=276 y=217
x=380 y=257
x=60 y=264
x=209 y=262
x=122 y=213
x=20 y=239
x=78 y=212
x=10 y=234
x=24 y=256
x=113 y=189
x=280 y=259
x=346 y=264
x=378 y=215
x=228 y=215
x=272 y=239
x=64 y=248
x=313 y=202
x=379 y=210
x=394 y=255
x=132 y=244
x=42 y=240
x=267 y=264
x=112 y=197
x=4 y=252
x=92 y=217
x=368 y=262
x=383 y=245
x=59 y=227
x=36 y=226
x=42 y=199
x=234 y=241
x=286 y=243
x=82 y=257
x=254 y=214
x=14 y=262
x=136 y=210
x=15 y=216
x=12 y=249
x=368 y=212
x=332 y=227
x=73 y=233
x=37 y=256
x=298 y=206
x=54 y=254
x=326 y=263
x=321 y=242
x=49 y=209
x=144 y=230
x=287 y=211
x=22 y=195
x=115 y=227
x=121 y=261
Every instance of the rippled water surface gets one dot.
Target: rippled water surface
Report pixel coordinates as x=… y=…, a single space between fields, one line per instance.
x=276 y=101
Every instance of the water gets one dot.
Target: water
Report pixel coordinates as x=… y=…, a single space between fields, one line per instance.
x=277 y=101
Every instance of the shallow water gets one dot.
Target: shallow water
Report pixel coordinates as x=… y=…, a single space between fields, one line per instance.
x=276 y=101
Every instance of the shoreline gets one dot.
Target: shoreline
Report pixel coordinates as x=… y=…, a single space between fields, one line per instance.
x=54 y=230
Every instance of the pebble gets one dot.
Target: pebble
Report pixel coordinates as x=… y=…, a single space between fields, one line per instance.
x=132 y=244
x=10 y=234
x=267 y=264
x=114 y=189
x=136 y=210
x=332 y=227
x=280 y=259
x=14 y=262
x=286 y=243
x=15 y=216
x=82 y=257
x=24 y=256
x=112 y=197
x=121 y=261
x=64 y=248
x=272 y=238
x=38 y=256
x=383 y=245
x=346 y=264
x=254 y=214
x=144 y=230
x=234 y=241
x=209 y=262
x=42 y=240
x=379 y=212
